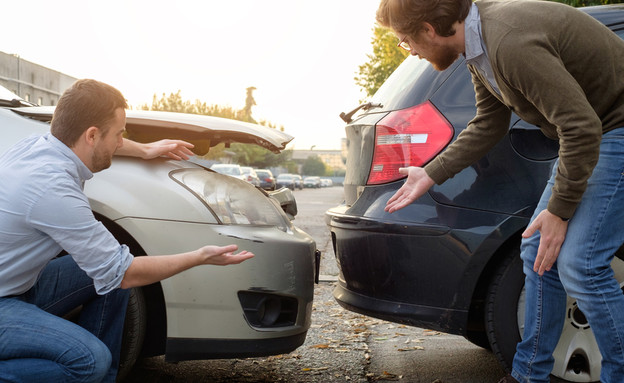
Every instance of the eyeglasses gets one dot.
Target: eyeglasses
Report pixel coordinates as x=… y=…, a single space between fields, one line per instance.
x=404 y=44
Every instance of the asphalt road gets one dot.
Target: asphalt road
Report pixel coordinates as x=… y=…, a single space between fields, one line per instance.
x=341 y=346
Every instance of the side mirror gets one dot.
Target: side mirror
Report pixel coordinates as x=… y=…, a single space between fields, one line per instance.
x=286 y=200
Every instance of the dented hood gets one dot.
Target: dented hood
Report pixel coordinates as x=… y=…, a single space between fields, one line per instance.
x=203 y=131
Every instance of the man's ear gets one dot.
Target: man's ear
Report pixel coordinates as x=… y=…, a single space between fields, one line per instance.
x=428 y=30
x=91 y=135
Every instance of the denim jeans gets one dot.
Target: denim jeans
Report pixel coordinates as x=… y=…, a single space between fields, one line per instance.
x=37 y=345
x=583 y=271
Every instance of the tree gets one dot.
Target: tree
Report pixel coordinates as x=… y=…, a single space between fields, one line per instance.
x=313 y=166
x=385 y=58
x=249 y=103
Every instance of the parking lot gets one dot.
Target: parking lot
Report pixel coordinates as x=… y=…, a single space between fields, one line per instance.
x=341 y=346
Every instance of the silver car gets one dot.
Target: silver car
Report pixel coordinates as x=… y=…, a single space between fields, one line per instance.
x=251 y=176
x=231 y=170
x=258 y=308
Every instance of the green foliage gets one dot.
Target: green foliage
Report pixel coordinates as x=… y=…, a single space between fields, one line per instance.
x=313 y=166
x=291 y=167
x=257 y=157
x=244 y=154
x=175 y=103
x=385 y=58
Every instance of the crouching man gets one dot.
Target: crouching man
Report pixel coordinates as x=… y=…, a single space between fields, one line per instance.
x=43 y=210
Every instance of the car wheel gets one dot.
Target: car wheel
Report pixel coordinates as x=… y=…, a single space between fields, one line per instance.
x=577 y=357
x=133 y=333
x=502 y=308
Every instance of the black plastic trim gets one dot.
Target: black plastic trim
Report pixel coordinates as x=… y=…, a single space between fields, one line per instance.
x=435 y=318
x=179 y=349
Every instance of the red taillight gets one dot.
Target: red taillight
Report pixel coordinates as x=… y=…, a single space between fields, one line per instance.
x=407 y=137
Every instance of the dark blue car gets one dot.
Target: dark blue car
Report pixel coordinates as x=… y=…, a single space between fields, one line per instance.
x=450 y=260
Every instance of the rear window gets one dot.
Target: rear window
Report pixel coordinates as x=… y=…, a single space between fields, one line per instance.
x=412 y=83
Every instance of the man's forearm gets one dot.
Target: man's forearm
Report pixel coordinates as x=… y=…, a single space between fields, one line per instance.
x=149 y=269
x=131 y=148
x=174 y=149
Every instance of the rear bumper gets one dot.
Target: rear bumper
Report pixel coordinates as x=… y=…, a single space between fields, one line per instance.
x=398 y=272
x=418 y=266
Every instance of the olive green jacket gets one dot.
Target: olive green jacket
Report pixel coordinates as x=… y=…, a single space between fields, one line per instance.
x=557 y=68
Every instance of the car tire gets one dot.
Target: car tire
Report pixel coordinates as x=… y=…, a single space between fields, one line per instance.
x=133 y=333
x=577 y=357
x=501 y=310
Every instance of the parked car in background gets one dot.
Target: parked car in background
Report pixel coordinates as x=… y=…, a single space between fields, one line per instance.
x=267 y=181
x=450 y=260
x=312 y=182
x=286 y=180
x=298 y=181
x=326 y=182
x=250 y=175
x=260 y=307
x=231 y=170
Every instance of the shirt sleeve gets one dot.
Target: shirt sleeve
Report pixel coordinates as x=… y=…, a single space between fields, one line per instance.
x=548 y=85
x=64 y=214
x=489 y=126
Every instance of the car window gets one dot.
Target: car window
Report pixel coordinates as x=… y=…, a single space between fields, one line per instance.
x=411 y=83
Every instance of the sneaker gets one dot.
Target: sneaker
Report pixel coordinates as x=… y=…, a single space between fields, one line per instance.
x=508 y=379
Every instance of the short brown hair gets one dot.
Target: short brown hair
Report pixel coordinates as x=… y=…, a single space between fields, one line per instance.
x=407 y=16
x=86 y=103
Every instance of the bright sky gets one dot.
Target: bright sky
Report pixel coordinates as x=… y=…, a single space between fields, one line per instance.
x=301 y=55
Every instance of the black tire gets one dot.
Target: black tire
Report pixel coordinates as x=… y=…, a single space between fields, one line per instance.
x=501 y=310
x=133 y=333
x=478 y=338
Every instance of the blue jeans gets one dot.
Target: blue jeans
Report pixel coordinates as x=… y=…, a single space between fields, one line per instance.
x=37 y=345
x=583 y=271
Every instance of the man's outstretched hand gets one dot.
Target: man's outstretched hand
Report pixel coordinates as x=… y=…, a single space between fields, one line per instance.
x=223 y=255
x=417 y=184
x=174 y=149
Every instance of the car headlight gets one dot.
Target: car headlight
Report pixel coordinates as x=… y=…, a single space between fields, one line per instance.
x=232 y=201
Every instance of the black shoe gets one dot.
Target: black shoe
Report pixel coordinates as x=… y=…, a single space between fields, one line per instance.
x=508 y=379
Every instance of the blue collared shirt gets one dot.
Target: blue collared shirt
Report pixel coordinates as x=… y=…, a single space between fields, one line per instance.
x=43 y=210
x=476 y=54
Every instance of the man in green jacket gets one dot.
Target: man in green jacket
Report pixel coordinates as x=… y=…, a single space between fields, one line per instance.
x=561 y=70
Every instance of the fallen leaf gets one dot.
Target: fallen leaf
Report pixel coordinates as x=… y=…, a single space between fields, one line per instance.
x=320 y=346
x=411 y=348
